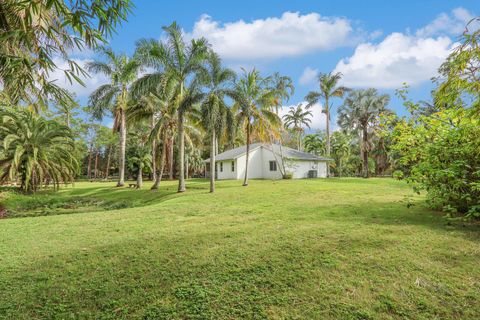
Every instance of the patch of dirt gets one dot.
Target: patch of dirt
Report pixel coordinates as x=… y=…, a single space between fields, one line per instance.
x=3 y=212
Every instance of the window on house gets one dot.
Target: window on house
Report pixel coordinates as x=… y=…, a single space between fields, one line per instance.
x=221 y=166
x=233 y=166
x=273 y=165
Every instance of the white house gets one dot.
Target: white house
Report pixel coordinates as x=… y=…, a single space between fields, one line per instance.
x=265 y=160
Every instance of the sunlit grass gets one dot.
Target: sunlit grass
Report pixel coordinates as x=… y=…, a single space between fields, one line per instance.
x=306 y=249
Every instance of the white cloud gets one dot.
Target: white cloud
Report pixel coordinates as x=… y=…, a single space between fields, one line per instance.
x=452 y=24
x=91 y=83
x=292 y=34
x=318 y=118
x=308 y=76
x=398 y=58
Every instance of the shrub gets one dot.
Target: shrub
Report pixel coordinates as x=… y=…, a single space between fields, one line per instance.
x=397 y=174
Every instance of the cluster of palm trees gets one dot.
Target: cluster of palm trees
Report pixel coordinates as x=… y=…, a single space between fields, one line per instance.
x=358 y=116
x=184 y=91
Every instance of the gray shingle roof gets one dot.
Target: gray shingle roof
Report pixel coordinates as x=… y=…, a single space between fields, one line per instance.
x=288 y=153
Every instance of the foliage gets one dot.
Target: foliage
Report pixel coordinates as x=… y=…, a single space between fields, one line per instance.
x=296 y=119
x=443 y=154
x=315 y=143
x=441 y=150
x=36 y=34
x=35 y=150
x=360 y=115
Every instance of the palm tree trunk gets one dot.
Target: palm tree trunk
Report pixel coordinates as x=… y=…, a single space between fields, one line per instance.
x=170 y=159
x=107 y=167
x=95 y=171
x=181 y=153
x=123 y=139
x=154 y=153
x=366 y=174
x=245 y=180
x=327 y=113
x=89 y=166
x=212 y=163
x=186 y=167
x=139 y=177
x=162 y=166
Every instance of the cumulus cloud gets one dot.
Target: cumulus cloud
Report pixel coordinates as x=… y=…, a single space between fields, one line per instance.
x=398 y=58
x=318 y=118
x=292 y=34
x=448 y=23
x=91 y=83
x=308 y=76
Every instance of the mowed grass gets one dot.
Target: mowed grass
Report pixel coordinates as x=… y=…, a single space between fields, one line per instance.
x=291 y=249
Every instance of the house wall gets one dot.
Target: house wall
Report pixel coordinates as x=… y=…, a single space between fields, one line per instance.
x=300 y=168
x=259 y=167
x=227 y=170
x=254 y=168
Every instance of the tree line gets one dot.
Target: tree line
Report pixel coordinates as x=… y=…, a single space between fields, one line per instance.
x=174 y=103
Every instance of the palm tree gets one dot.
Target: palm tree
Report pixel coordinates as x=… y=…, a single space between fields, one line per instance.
x=182 y=62
x=340 y=150
x=114 y=96
x=328 y=88
x=141 y=159
x=36 y=150
x=314 y=143
x=283 y=87
x=296 y=119
x=253 y=100
x=216 y=116
x=359 y=113
x=67 y=110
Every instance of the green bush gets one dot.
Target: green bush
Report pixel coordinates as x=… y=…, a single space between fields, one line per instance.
x=397 y=174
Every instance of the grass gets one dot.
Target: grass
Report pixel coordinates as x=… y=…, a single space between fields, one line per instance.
x=291 y=249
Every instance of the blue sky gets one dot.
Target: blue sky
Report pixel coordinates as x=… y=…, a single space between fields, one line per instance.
x=373 y=43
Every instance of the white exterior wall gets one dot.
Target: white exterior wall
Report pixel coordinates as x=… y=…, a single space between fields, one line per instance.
x=259 y=167
x=300 y=168
x=254 y=168
x=227 y=170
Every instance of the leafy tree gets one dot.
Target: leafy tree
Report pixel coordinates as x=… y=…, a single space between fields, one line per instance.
x=296 y=119
x=140 y=159
x=328 y=88
x=441 y=150
x=114 y=97
x=341 y=151
x=181 y=61
x=359 y=114
x=35 y=150
x=315 y=143
x=253 y=99
x=35 y=34
x=216 y=115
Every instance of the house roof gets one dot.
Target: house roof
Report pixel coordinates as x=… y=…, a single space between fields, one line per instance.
x=287 y=152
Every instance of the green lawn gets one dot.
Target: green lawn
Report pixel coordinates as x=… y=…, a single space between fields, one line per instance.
x=290 y=249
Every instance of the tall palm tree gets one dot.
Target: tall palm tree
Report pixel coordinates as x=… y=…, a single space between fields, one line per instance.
x=359 y=113
x=283 y=87
x=253 y=100
x=114 y=97
x=328 y=88
x=216 y=116
x=180 y=61
x=296 y=119
x=35 y=150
